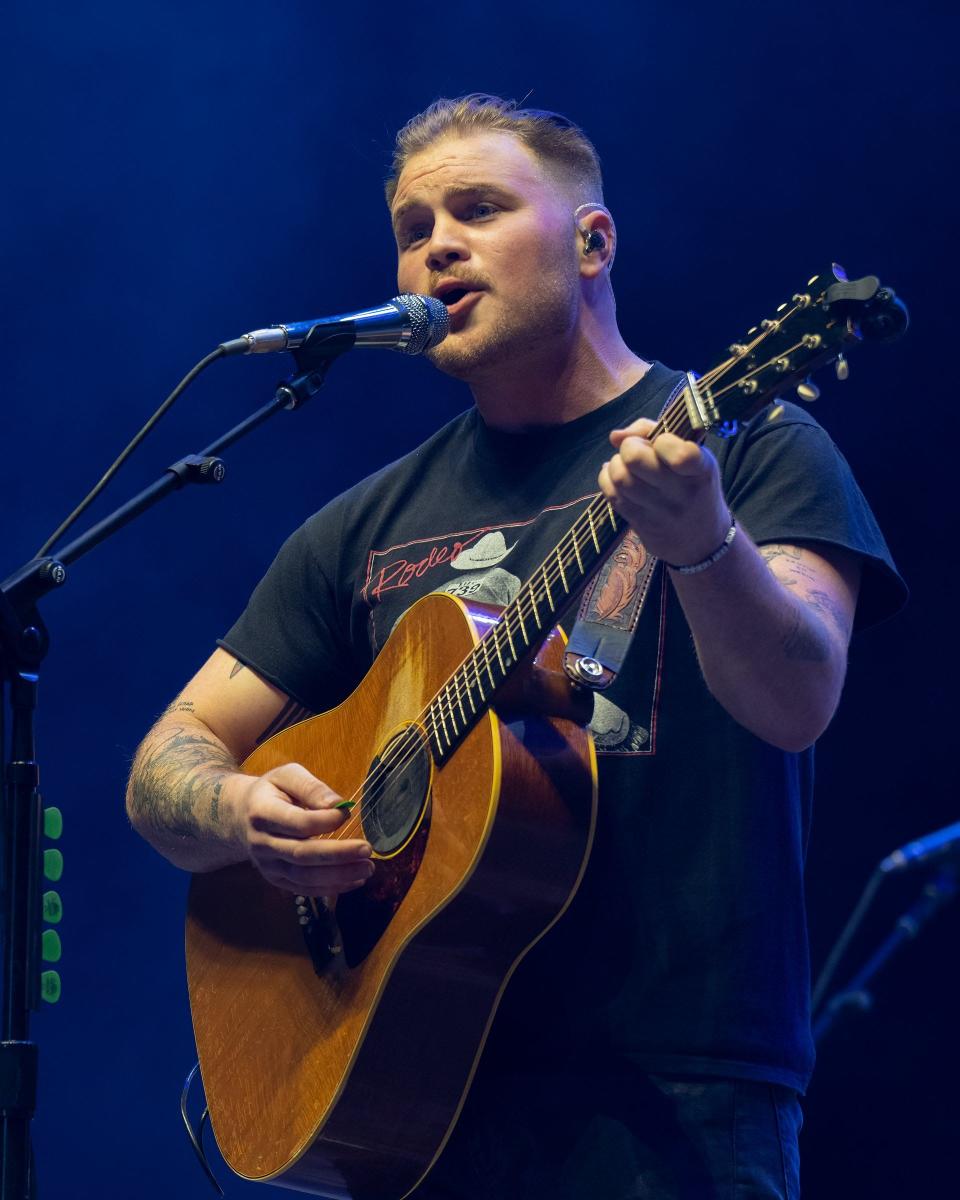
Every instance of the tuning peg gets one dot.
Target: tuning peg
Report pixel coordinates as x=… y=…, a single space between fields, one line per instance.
x=842 y=367
x=808 y=391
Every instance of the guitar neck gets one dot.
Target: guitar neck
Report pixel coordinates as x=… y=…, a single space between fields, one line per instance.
x=526 y=621
x=814 y=328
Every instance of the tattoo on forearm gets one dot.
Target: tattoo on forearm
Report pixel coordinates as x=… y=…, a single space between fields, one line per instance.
x=290 y=714
x=215 y=802
x=171 y=774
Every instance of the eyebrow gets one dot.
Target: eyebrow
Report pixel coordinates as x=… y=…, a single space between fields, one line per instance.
x=464 y=189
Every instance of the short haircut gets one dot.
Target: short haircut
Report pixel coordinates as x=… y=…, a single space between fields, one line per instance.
x=562 y=146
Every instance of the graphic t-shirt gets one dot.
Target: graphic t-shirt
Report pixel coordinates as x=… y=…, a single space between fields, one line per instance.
x=685 y=948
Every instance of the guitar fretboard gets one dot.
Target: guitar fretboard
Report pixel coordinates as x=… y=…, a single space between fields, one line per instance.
x=522 y=626
x=526 y=621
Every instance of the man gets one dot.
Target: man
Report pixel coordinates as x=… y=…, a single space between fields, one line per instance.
x=654 y=1044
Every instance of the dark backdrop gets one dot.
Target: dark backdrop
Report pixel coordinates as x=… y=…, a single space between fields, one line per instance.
x=177 y=173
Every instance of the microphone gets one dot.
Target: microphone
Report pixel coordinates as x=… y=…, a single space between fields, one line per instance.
x=943 y=843
x=408 y=323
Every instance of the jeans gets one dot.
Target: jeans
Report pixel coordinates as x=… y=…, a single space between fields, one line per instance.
x=620 y=1134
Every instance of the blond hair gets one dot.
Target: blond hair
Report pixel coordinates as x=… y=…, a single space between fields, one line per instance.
x=562 y=146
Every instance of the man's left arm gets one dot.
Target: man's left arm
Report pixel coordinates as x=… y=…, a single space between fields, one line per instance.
x=770 y=623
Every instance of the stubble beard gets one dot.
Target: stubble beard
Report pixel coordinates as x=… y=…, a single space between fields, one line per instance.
x=507 y=340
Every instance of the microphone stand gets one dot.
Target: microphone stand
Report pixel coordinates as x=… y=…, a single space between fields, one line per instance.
x=856 y=996
x=24 y=643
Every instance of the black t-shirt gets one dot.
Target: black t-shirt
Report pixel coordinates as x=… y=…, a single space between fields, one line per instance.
x=685 y=947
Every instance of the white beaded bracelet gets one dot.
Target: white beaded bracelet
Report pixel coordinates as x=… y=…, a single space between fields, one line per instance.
x=696 y=568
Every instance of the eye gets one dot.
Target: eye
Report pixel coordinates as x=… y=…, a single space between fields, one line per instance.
x=413 y=234
x=481 y=209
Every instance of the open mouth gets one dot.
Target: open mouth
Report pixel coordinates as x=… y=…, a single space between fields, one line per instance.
x=459 y=300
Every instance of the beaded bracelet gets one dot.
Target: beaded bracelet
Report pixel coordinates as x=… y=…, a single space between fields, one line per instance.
x=696 y=568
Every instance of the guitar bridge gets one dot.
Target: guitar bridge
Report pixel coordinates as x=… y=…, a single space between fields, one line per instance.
x=321 y=934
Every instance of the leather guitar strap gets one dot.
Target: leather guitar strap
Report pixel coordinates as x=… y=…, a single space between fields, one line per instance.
x=611 y=608
x=608 y=615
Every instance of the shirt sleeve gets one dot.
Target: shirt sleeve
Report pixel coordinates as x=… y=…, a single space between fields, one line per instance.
x=786 y=481
x=292 y=632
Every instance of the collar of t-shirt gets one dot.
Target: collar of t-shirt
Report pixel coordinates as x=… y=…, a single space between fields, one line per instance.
x=530 y=448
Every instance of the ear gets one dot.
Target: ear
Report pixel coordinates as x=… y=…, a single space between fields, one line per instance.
x=596 y=252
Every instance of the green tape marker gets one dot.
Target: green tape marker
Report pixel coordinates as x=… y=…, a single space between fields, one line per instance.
x=50 y=948
x=52 y=864
x=52 y=908
x=50 y=986
x=52 y=823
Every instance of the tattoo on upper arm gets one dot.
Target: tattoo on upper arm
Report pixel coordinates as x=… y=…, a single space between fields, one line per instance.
x=290 y=714
x=823 y=602
x=790 y=557
x=178 y=706
x=803 y=643
x=236 y=669
x=169 y=776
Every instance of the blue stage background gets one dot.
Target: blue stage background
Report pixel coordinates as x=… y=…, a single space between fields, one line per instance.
x=178 y=173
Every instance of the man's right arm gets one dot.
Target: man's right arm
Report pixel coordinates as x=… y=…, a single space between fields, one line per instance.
x=188 y=798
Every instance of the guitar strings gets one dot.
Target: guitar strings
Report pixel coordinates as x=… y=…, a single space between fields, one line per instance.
x=672 y=420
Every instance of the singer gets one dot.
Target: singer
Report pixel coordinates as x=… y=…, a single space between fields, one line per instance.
x=656 y=1041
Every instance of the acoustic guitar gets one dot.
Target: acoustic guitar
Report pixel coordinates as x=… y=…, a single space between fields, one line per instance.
x=337 y=1040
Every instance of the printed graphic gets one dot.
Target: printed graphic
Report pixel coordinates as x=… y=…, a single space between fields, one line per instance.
x=483 y=579
x=476 y=564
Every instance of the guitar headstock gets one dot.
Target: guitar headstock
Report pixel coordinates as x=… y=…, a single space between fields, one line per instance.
x=815 y=327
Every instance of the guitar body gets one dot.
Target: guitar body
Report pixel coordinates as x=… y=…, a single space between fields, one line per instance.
x=343 y=1075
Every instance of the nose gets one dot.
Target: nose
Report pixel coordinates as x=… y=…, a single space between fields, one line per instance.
x=447 y=244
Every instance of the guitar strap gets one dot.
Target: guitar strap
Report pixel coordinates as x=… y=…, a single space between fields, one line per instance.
x=611 y=608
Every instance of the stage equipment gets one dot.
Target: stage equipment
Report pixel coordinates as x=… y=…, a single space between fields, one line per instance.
x=594 y=240
x=24 y=643
x=856 y=996
x=944 y=843
x=408 y=323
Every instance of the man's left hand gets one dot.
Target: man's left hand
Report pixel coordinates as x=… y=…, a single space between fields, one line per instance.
x=669 y=490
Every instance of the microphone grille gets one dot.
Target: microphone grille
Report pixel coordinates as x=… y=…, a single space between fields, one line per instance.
x=429 y=322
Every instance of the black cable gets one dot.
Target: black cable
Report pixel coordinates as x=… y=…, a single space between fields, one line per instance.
x=125 y=454
x=196 y=1136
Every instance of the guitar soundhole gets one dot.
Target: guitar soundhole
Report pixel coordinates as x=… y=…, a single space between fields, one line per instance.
x=395 y=791
x=395 y=816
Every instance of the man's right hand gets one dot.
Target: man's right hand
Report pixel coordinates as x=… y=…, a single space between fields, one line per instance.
x=188 y=797
x=282 y=817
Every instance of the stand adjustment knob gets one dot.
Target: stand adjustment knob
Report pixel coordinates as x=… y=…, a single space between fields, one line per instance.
x=50 y=986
